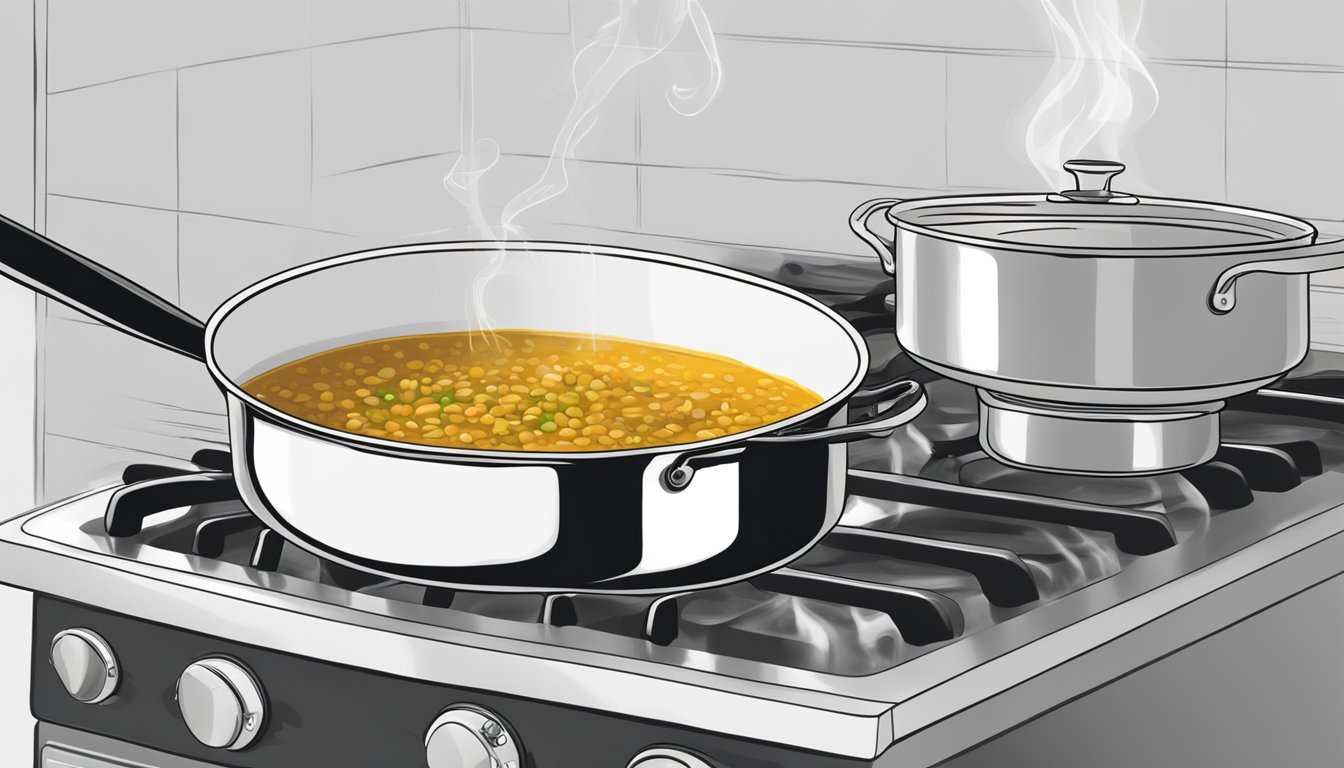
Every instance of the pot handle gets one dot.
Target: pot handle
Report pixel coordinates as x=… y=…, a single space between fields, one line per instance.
x=55 y=271
x=909 y=402
x=1317 y=257
x=885 y=247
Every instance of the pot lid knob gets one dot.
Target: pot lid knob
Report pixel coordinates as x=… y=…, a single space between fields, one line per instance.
x=1093 y=180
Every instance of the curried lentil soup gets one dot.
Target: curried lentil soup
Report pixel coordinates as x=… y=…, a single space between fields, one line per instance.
x=529 y=390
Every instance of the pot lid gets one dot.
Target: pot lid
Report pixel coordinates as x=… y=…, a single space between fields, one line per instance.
x=1098 y=221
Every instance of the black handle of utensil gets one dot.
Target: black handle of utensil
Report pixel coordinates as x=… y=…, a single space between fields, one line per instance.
x=55 y=271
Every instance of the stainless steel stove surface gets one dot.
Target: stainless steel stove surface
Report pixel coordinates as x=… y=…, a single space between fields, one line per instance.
x=958 y=599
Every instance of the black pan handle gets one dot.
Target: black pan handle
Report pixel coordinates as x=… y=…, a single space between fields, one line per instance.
x=55 y=271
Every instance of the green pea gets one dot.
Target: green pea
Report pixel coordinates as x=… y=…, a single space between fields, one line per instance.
x=389 y=397
x=447 y=400
x=548 y=426
x=548 y=416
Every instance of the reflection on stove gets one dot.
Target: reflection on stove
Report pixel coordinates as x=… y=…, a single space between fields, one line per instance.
x=1063 y=559
x=743 y=621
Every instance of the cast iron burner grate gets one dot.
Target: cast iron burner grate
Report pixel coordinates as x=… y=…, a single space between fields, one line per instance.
x=922 y=616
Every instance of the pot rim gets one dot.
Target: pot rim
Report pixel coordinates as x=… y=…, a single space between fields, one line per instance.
x=482 y=456
x=911 y=215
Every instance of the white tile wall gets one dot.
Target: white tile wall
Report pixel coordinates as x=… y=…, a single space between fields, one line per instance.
x=1179 y=150
x=739 y=208
x=87 y=464
x=106 y=387
x=385 y=99
x=16 y=118
x=246 y=138
x=95 y=41
x=115 y=142
x=524 y=89
x=587 y=17
x=389 y=201
x=519 y=15
x=407 y=201
x=1185 y=29
x=998 y=24
x=808 y=111
x=1285 y=31
x=1284 y=148
x=221 y=256
x=989 y=102
x=599 y=195
x=140 y=243
x=331 y=21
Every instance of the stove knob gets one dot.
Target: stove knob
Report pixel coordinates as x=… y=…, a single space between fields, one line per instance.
x=467 y=736
x=667 y=757
x=221 y=703
x=86 y=665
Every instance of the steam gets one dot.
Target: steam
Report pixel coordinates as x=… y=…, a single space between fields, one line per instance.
x=1088 y=102
x=643 y=30
x=463 y=181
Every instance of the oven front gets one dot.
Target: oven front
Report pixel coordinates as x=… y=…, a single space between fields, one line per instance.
x=60 y=747
x=307 y=713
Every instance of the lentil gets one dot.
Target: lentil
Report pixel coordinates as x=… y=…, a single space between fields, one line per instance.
x=531 y=390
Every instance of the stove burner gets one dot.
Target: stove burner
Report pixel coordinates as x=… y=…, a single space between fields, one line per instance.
x=938 y=541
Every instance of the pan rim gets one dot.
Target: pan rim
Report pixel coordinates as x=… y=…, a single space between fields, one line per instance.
x=475 y=455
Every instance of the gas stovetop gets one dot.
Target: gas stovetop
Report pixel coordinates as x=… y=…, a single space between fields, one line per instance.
x=937 y=542
x=951 y=580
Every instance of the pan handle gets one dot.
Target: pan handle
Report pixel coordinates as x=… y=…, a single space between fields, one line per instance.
x=1317 y=257
x=884 y=246
x=909 y=402
x=55 y=271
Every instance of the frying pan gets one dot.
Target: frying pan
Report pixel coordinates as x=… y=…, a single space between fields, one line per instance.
x=646 y=520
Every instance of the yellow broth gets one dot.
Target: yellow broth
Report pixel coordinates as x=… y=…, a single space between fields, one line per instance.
x=530 y=391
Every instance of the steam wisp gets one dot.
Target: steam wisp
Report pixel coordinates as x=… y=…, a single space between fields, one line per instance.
x=1088 y=101
x=643 y=30
x=463 y=181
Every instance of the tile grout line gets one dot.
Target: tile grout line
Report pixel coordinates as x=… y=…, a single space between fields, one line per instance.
x=639 y=156
x=947 y=119
x=206 y=214
x=177 y=159
x=1227 y=107
x=784 y=40
x=41 y=304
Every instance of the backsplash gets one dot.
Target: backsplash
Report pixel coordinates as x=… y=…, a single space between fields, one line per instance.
x=198 y=147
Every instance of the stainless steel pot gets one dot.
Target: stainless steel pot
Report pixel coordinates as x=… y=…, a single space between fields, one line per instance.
x=1103 y=331
x=648 y=520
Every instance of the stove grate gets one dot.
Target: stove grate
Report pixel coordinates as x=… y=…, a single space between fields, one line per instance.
x=1222 y=485
x=129 y=506
x=1136 y=531
x=213 y=533
x=438 y=597
x=267 y=550
x=1266 y=467
x=1003 y=577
